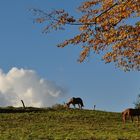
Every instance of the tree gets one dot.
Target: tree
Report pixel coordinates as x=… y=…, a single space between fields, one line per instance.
x=103 y=27
x=137 y=102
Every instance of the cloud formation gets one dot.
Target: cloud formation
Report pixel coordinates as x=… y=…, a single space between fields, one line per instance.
x=26 y=85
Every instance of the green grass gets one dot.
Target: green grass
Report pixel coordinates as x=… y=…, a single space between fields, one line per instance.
x=72 y=124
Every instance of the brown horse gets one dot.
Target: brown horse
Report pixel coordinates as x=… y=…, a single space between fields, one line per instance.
x=130 y=113
x=75 y=101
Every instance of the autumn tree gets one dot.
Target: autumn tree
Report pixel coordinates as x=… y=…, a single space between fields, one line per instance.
x=103 y=27
x=137 y=102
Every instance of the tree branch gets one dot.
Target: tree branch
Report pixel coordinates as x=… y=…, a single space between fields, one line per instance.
x=23 y=104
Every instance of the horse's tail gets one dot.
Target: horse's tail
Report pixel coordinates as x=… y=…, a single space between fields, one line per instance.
x=82 y=104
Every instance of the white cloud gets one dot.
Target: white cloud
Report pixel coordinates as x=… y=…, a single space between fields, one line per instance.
x=26 y=85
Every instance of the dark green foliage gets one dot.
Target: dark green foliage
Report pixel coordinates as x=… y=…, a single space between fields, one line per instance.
x=66 y=124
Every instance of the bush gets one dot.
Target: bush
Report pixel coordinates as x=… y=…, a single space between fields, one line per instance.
x=58 y=107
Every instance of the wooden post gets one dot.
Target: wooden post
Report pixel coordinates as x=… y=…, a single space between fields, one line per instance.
x=23 y=104
x=94 y=107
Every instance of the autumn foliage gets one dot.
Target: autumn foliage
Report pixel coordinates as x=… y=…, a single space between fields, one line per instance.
x=108 y=26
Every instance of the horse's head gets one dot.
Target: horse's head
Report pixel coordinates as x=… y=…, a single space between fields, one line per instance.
x=66 y=105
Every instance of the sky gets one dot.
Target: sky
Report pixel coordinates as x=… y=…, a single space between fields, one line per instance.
x=34 y=69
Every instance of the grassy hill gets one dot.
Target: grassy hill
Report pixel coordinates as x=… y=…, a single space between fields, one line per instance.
x=61 y=124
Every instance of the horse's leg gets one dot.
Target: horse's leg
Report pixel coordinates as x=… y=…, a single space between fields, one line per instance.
x=131 y=118
x=124 y=118
x=79 y=106
x=138 y=118
x=74 y=105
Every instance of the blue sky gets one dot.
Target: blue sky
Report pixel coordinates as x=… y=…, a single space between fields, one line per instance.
x=22 y=45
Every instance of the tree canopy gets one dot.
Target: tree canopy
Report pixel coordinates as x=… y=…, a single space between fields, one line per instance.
x=108 y=26
x=137 y=102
